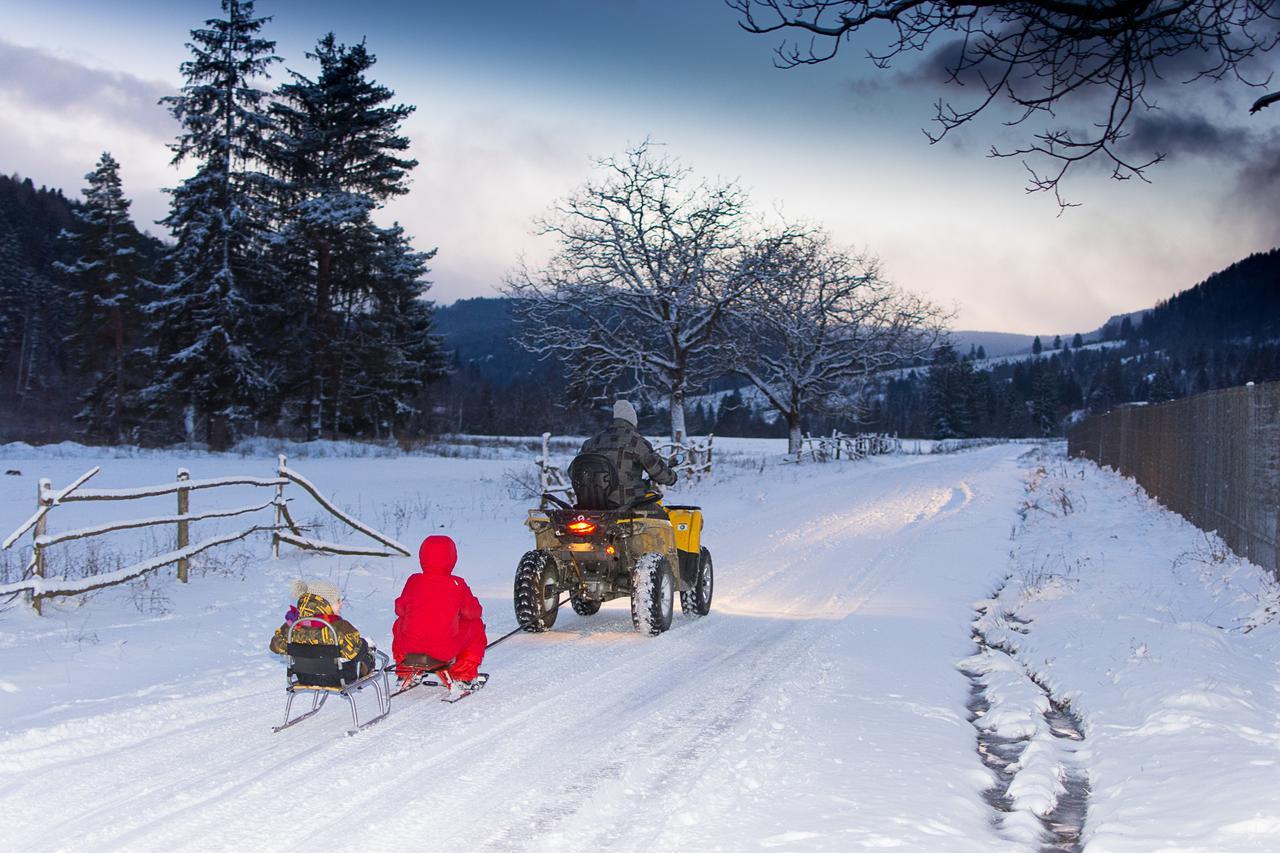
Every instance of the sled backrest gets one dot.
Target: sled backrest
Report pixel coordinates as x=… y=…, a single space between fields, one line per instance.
x=317 y=664
x=595 y=481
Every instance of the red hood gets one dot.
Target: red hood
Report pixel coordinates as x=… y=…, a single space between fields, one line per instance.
x=438 y=555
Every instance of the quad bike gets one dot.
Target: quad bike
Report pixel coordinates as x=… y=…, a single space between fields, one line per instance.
x=595 y=555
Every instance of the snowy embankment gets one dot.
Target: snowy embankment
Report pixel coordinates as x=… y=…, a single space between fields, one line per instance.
x=1161 y=647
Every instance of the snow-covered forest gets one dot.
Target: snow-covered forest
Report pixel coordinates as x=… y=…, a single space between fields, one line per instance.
x=276 y=303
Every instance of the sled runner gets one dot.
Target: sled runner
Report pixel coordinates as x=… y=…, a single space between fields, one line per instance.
x=320 y=670
x=416 y=671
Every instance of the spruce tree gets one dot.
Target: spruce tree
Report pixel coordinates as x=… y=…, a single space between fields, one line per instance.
x=387 y=350
x=1044 y=397
x=337 y=154
x=1077 y=341
x=30 y=326
x=209 y=319
x=949 y=392
x=1036 y=346
x=104 y=286
x=13 y=291
x=1162 y=387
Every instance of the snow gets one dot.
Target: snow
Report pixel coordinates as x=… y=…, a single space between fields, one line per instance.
x=822 y=705
x=1165 y=645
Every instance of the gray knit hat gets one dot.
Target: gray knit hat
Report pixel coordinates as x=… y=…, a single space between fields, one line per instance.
x=325 y=589
x=623 y=410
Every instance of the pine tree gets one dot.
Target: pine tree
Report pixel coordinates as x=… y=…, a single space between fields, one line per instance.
x=105 y=290
x=949 y=395
x=982 y=353
x=1162 y=388
x=208 y=321
x=1044 y=397
x=1036 y=346
x=336 y=153
x=13 y=291
x=1077 y=341
x=387 y=351
x=1057 y=341
x=29 y=318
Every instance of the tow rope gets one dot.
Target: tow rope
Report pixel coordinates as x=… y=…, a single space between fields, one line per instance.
x=420 y=676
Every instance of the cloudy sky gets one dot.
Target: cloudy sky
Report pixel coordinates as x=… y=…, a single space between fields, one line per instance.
x=514 y=99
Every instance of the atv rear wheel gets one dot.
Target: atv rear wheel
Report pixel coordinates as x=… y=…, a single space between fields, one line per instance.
x=585 y=606
x=537 y=592
x=652 y=594
x=696 y=601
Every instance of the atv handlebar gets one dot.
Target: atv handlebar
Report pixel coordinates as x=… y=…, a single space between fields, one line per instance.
x=651 y=497
x=547 y=496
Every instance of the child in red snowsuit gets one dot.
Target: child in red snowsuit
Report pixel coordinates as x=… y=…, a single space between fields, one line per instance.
x=438 y=616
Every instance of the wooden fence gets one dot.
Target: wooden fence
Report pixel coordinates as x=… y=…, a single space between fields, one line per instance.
x=692 y=462
x=840 y=446
x=1213 y=458
x=284 y=529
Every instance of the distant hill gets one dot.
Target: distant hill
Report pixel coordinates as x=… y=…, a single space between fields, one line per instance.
x=995 y=344
x=1221 y=332
x=481 y=333
x=1242 y=302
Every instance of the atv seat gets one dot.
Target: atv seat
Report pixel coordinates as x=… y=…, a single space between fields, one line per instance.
x=594 y=478
x=320 y=669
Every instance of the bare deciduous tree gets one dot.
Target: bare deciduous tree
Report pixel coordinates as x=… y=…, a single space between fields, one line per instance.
x=818 y=321
x=1041 y=55
x=646 y=270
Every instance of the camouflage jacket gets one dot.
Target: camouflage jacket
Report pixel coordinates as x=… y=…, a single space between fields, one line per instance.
x=633 y=456
x=314 y=634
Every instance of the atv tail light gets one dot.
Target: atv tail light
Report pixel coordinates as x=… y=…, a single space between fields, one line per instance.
x=610 y=550
x=581 y=527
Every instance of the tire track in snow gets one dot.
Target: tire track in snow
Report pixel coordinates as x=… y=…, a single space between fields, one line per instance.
x=1026 y=736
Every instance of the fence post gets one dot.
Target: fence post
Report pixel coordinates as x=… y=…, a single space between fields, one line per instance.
x=184 y=527
x=37 y=550
x=543 y=461
x=835 y=439
x=281 y=464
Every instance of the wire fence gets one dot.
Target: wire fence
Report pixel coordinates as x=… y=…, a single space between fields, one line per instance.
x=1213 y=458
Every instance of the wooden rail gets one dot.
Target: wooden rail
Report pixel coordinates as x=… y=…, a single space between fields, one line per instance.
x=37 y=587
x=694 y=463
x=840 y=446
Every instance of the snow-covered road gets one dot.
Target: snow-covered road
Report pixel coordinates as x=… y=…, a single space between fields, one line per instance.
x=818 y=707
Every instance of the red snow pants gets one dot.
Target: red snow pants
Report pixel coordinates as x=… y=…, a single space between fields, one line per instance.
x=471 y=652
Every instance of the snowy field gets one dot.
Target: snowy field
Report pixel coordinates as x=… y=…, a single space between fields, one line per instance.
x=878 y=628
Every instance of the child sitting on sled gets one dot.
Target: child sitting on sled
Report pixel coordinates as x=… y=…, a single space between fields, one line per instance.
x=317 y=602
x=438 y=625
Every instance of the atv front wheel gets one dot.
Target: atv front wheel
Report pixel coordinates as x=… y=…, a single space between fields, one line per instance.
x=696 y=601
x=652 y=594
x=537 y=592
x=585 y=606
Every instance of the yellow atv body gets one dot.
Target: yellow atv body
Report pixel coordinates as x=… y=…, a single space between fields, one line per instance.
x=646 y=552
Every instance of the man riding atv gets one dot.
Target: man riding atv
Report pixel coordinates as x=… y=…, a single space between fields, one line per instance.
x=632 y=456
x=615 y=539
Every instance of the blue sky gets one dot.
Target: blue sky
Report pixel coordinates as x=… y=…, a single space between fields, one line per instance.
x=515 y=98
